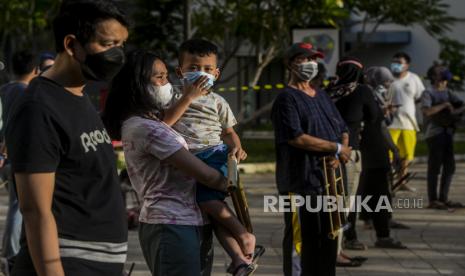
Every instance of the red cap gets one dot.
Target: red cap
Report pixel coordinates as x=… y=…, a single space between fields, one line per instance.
x=302 y=48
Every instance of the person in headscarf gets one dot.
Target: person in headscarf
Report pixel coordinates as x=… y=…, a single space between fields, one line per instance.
x=375 y=145
x=380 y=79
x=349 y=73
x=355 y=104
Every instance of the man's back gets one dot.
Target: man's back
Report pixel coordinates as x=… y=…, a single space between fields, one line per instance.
x=8 y=94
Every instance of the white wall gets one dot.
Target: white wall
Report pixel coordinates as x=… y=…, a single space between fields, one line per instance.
x=423 y=48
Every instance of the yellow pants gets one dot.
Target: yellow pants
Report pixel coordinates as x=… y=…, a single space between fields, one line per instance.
x=405 y=140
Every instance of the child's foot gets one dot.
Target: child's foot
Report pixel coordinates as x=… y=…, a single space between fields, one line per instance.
x=247 y=243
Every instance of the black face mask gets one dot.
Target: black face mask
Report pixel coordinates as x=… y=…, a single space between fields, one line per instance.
x=103 y=66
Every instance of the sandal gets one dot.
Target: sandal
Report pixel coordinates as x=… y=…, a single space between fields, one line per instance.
x=360 y=259
x=351 y=263
x=258 y=252
x=244 y=269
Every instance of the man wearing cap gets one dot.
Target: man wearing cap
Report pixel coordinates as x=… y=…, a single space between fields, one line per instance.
x=307 y=127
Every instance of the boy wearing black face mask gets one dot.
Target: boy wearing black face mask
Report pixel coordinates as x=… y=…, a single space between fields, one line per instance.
x=62 y=157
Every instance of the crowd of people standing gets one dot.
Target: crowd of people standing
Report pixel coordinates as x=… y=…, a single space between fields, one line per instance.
x=66 y=215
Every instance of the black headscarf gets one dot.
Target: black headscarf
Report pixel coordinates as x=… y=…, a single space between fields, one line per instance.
x=349 y=71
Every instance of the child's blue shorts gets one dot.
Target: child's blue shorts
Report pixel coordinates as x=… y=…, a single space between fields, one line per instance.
x=215 y=157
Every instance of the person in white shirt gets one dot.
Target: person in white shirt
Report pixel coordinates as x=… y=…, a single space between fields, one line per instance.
x=406 y=91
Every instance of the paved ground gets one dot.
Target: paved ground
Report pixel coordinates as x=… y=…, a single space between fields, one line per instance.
x=436 y=241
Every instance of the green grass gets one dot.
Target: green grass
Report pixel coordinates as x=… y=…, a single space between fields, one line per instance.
x=259 y=151
x=262 y=151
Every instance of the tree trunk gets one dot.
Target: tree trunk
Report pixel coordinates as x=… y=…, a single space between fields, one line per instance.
x=268 y=57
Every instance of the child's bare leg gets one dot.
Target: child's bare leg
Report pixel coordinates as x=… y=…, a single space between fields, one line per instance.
x=231 y=246
x=221 y=213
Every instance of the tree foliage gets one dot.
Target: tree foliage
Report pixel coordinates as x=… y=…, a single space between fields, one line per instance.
x=453 y=56
x=263 y=25
x=432 y=15
x=157 y=25
x=22 y=21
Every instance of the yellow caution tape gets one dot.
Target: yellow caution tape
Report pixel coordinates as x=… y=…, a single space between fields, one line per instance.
x=247 y=88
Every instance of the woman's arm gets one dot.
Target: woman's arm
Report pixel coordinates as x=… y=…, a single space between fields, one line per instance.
x=191 y=165
x=35 y=193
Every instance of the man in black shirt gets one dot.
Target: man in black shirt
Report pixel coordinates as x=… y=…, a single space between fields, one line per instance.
x=64 y=164
x=307 y=127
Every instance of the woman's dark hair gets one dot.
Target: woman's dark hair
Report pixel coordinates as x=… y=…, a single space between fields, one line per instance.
x=128 y=92
x=81 y=17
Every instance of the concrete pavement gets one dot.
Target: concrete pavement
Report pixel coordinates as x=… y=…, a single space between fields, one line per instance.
x=436 y=240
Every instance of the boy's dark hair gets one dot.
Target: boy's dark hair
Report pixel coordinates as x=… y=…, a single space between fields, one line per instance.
x=81 y=17
x=197 y=46
x=403 y=55
x=23 y=63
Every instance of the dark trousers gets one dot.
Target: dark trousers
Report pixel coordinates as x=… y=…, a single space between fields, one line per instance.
x=440 y=155
x=170 y=249
x=374 y=183
x=307 y=250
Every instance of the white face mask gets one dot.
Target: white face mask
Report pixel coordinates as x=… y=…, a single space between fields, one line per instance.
x=161 y=95
x=307 y=71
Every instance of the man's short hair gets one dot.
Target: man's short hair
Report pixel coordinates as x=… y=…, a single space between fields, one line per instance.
x=81 y=17
x=23 y=63
x=403 y=55
x=197 y=46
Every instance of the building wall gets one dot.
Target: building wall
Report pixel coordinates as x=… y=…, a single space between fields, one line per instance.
x=423 y=48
